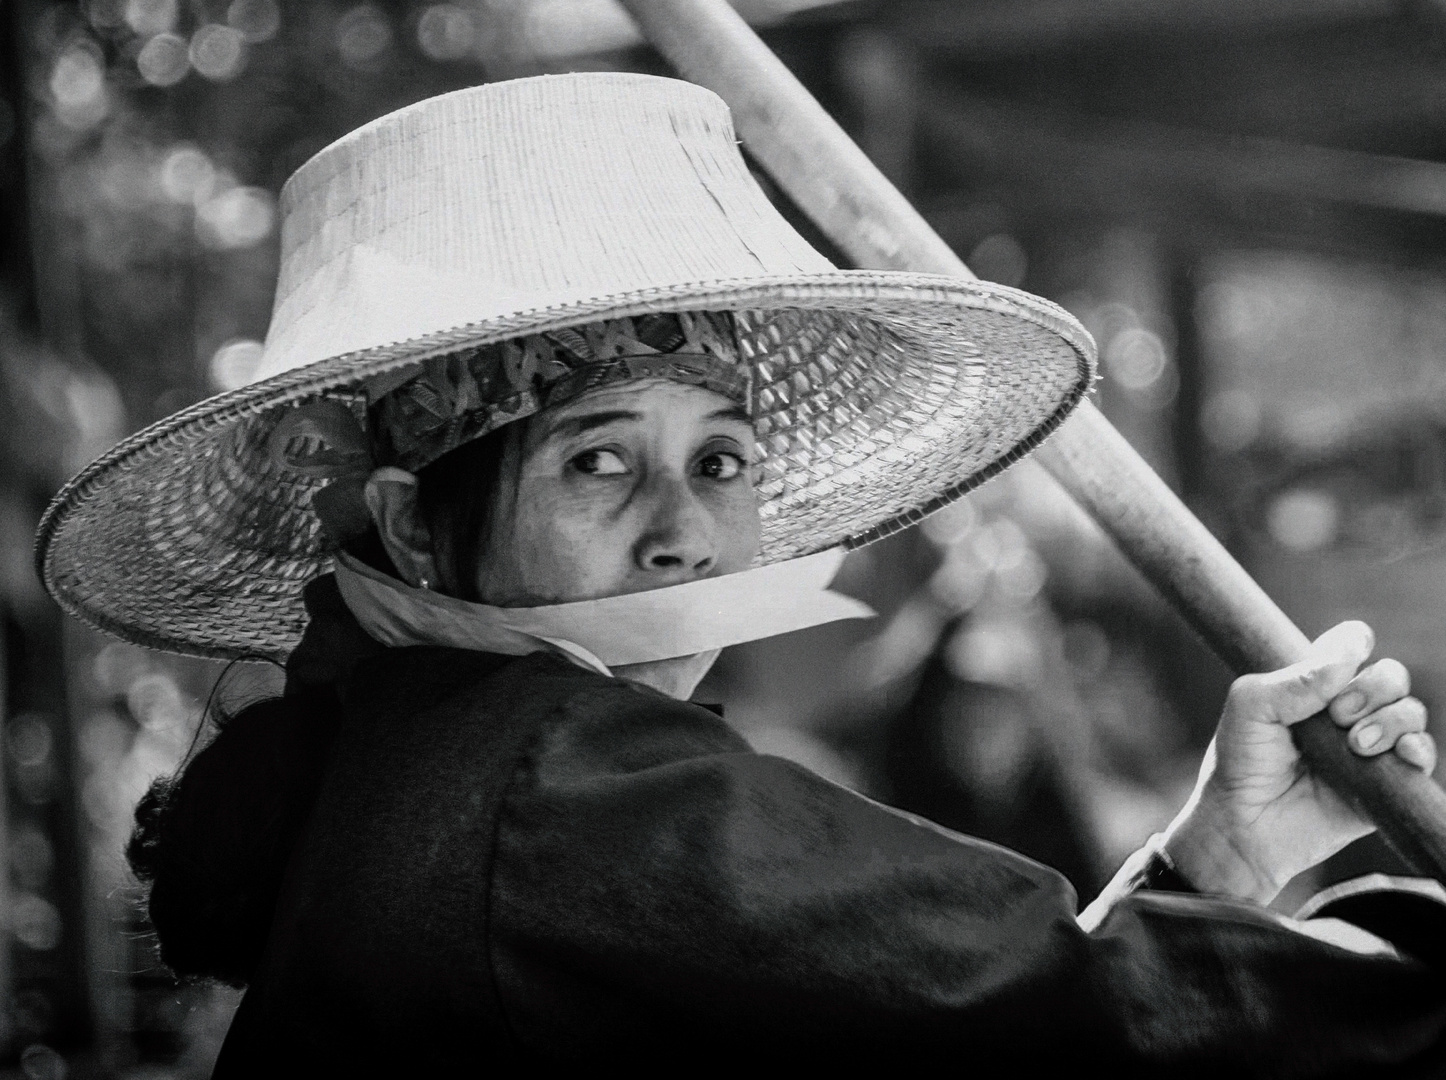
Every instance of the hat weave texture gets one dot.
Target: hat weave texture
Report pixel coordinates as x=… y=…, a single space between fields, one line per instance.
x=525 y=208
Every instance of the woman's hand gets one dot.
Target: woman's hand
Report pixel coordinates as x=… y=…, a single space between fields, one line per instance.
x=1257 y=816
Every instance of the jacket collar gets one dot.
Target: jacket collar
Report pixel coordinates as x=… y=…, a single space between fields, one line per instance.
x=634 y=628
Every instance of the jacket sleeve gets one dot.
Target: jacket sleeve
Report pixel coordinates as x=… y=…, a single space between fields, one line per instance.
x=658 y=886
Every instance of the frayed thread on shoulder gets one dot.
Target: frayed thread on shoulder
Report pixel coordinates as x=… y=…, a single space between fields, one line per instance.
x=143 y=852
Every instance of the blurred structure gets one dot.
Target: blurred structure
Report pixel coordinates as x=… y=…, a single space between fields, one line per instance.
x=1245 y=202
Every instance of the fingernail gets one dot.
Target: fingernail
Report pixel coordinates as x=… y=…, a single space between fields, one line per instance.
x=1368 y=736
x=1351 y=703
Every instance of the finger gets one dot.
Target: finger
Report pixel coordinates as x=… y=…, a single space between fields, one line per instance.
x=1347 y=642
x=1418 y=749
x=1379 y=731
x=1291 y=694
x=1378 y=685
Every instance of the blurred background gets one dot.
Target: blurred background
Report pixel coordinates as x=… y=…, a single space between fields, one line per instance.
x=1244 y=201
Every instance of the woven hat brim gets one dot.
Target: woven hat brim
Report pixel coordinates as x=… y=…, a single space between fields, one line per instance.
x=169 y=542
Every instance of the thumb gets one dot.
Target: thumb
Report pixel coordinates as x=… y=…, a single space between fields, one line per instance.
x=1305 y=688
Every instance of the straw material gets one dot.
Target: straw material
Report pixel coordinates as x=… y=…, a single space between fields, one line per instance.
x=521 y=208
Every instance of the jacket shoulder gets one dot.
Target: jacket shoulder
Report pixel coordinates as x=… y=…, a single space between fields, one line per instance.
x=618 y=727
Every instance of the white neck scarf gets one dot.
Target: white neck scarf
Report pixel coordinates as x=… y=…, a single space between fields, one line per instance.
x=679 y=620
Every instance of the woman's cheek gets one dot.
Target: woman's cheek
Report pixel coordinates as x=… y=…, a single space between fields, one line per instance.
x=573 y=548
x=738 y=528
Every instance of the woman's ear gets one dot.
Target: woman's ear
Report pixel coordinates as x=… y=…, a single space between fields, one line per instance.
x=392 y=499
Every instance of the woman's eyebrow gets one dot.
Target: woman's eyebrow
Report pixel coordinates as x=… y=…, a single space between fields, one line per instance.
x=735 y=412
x=576 y=425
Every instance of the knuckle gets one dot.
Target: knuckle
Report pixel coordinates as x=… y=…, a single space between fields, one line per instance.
x=1306 y=685
x=1298 y=682
x=1291 y=693
x=1394 y=676
x=1407 y=714
x=1247 y=688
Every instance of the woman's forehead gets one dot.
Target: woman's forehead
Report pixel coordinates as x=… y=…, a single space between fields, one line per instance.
x=646 y=401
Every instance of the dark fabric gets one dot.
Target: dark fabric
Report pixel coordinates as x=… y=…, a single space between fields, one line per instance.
x=216 y=844
x=512 y=860
x=334 y=642
x=1409 y=921
x=213 y=843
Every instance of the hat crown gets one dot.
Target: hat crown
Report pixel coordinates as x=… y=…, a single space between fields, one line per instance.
x=515 y=196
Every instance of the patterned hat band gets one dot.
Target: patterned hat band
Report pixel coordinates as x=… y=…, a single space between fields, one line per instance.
x=410 y=419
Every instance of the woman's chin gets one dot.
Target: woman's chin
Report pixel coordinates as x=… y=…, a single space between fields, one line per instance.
x=677 y=677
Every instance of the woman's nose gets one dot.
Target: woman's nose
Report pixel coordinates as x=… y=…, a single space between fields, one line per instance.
x=678 y=536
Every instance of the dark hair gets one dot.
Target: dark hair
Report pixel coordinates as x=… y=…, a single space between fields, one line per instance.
x=456 y=494
x=214 y=841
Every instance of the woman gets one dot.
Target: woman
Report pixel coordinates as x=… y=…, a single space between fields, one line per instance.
x=570 y=408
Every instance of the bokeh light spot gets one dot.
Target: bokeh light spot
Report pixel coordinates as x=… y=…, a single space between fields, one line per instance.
x=164 y=60
x=362 y=35
x=1021 y=574
x=238 y=218
x=1304 y=520
x=40 y=1062
x=1313 y=426
x=1235 y=312
x=187 y=175
x=999 y=654
x=445 y=32
x=30 y=741
x=999 y=257
x=991 y=751
x=234 y=363
x=960 y=582
x=77 y=85
x=117 y=665
x=151 y=16
x=155 y=701
x=94 y=406
x=35 y=923
x=218 y=52
x=258 y=20
x=1136 y=358
x=76 y=78
x=951 y=523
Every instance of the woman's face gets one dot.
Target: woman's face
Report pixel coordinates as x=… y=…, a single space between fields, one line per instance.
x=623 y=489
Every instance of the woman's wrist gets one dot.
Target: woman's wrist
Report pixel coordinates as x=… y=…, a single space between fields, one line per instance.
x=1206 y=848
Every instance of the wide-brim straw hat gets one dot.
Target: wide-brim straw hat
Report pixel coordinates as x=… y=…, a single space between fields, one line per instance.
x=519 y=208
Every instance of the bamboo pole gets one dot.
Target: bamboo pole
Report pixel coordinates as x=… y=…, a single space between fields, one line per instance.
x=830 y=178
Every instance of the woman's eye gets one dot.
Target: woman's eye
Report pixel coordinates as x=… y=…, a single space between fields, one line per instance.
x=599 y=463
x=720 y=466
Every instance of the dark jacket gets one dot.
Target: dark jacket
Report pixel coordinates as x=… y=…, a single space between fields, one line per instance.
x=512 y=859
